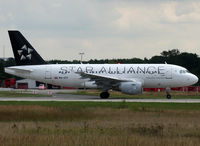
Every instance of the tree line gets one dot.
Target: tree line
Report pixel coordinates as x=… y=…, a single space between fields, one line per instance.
x=191 y=61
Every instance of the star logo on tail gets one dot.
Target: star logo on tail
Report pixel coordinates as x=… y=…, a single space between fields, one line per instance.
x=25 y=53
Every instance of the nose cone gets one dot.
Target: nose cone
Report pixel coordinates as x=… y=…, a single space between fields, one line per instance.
x=194 y=79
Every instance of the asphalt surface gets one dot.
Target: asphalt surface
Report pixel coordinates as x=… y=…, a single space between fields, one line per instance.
x=71 y=97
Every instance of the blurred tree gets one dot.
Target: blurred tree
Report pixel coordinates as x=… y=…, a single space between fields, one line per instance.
x=170 y=53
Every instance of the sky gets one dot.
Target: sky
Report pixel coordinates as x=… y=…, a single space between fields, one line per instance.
x=61 y=29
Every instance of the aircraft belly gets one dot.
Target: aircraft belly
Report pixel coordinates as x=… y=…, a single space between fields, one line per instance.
x=157 y=83
x=76 y=83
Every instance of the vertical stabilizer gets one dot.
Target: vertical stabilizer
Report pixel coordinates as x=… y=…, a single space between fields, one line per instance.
x=24 y=53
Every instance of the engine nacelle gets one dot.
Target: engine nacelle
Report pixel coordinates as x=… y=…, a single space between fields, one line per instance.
x=131 y=87
x=89 y=84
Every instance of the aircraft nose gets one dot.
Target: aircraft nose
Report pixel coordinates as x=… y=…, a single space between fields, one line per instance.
x=194 y=79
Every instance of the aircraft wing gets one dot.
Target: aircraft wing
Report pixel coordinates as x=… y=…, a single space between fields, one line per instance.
x=103 y=80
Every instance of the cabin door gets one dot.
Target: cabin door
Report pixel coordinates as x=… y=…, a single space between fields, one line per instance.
x=48 y=74
x=168 y=72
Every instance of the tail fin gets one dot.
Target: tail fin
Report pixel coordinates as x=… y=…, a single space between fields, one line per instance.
x=24 y=53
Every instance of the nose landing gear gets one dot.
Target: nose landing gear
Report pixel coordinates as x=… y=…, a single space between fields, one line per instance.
x=168 y=93
x=169 y=96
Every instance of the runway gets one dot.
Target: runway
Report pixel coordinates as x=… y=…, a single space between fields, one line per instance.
x=85 y=98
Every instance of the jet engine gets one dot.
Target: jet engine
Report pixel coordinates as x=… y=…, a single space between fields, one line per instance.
x=131 y=87
x=89 y=84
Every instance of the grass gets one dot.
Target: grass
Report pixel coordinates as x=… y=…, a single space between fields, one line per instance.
x=137 y=106
x=109 y=124
x=100 y=123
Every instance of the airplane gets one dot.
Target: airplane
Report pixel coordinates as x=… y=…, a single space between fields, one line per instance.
x=127 y=78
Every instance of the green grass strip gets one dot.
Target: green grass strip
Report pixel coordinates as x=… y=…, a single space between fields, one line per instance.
x=135 y=106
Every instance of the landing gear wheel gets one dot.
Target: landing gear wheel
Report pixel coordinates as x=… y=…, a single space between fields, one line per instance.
x=104 y=95
x=168 y=93
x=169 y=96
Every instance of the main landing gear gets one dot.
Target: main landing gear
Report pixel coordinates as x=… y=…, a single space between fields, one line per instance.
x=168 y=93
x=104 y=95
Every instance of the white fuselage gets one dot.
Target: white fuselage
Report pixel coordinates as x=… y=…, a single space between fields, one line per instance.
x=150 y=75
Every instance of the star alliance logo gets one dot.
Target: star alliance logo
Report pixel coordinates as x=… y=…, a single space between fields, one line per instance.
x=25 y=53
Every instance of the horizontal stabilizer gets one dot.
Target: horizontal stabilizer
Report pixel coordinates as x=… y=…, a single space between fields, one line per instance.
x=15 y=69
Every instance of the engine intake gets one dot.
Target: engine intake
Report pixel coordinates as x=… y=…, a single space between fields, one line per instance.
x=131 y=88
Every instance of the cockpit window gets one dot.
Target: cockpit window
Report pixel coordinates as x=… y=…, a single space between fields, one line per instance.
x=184 y=71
